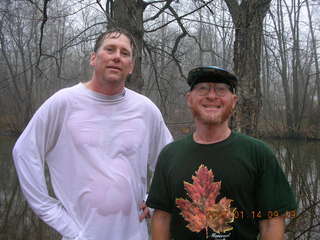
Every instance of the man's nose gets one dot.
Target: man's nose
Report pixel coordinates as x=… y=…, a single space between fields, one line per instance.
x=116 y=55
x=212 y=92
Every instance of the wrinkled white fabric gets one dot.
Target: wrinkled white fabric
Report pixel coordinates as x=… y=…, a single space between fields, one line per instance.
x=97 y=149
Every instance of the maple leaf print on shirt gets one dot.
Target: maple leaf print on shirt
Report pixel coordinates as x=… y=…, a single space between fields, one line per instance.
x=203 y=212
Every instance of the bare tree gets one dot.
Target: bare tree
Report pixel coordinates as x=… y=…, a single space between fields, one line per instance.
x=248 y=20
x=129 y=15
x=292 y=62
x=315 y=55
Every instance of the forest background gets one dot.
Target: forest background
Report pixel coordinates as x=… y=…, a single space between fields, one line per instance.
x=271 y=45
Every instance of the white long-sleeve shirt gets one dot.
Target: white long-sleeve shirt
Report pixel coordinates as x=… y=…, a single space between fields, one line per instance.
x=98 y=149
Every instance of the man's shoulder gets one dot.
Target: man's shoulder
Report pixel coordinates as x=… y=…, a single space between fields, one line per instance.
x=177 y=144
x=60 y=98
x=249 y=142
x=66 y=91
x=143 y=103
x=141 y=99
x=172 y=154
x=249 y=139
x=71 y=89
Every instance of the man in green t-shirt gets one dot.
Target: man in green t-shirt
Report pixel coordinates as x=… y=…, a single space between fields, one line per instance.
x=216 y=183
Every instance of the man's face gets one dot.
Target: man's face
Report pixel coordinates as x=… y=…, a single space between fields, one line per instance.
x=211 y=108
x=113 y=61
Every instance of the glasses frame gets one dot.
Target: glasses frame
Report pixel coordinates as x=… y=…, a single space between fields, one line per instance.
x=220 y=89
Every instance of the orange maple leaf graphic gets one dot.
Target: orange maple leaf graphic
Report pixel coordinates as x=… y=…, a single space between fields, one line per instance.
x=204 y=212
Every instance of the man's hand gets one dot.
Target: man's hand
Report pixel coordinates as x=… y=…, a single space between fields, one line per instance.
x=145 y=212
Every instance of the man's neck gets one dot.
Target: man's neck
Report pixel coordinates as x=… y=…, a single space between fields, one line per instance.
x=207 y=134
x=108 y=89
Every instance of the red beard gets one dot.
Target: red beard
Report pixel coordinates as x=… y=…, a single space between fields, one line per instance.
x=212 y=118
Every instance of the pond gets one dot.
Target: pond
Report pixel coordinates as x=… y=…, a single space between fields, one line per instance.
x=299 y=159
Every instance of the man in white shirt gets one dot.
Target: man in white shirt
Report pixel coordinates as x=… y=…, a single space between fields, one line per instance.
x=98 y=139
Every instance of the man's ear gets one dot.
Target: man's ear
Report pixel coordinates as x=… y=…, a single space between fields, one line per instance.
x=235 y=100
x=188 y=99
x=92 y=60
x=132 y=64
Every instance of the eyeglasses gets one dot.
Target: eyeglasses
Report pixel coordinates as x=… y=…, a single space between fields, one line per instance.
x=203 y=89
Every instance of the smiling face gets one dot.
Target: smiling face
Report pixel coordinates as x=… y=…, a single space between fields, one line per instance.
x=211 y=109
x=113 y=60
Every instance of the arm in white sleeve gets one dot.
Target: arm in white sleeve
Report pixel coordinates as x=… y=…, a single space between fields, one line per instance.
x=29 y=157
x=161 y=138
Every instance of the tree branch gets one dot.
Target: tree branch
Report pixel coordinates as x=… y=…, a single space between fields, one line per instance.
x=44 y=20
x=156 y=77
x=160 y=12
x=177 y=18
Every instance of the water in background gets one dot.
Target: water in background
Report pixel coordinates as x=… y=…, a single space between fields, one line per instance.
x=300 y=162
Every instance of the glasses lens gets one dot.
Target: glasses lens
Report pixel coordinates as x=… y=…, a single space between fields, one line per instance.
x=202 y=89
x=220 y=89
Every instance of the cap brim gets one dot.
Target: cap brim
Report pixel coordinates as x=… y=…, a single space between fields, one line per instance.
x=211 y=74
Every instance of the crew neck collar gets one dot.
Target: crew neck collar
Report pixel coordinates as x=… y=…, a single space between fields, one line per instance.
x=103 y=97
x=224 y=141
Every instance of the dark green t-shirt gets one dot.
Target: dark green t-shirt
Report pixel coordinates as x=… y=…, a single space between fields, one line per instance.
x=249 y=173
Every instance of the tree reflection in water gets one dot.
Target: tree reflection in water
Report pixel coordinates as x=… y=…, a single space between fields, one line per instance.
x=299 y=159
x=300 y=162
x=17 y=221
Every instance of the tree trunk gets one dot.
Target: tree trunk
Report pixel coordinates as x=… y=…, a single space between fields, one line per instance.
x=128 y=14
x=314 y=41
x=248 y=20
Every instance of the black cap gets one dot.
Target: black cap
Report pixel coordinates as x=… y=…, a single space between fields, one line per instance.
x=211 y=74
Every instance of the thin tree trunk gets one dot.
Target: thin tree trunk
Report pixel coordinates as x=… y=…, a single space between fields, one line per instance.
x=315 y=55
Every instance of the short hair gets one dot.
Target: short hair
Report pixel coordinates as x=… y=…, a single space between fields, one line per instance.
x=118 y=31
